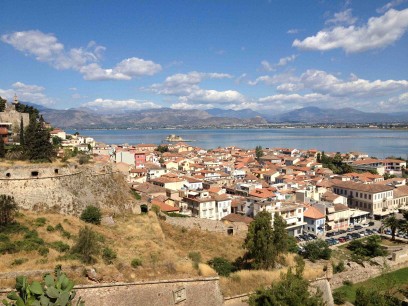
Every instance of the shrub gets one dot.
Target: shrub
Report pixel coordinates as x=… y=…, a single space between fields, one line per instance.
x=87 y=245
x=8 y=209
x=8 y=248
x=83 y=159
x=59 y=227
x=339 y=298
x=19 y=261
x=317 y=249
x=108 y=255
x=339 y=267
x=136 y=262
x=196 y=258
x=4 y=238
x=223 y=266
x=50 y=228
x=347 y=282
x=59 y=246
x=43 y=251
x=40 y=221
x=91 y=214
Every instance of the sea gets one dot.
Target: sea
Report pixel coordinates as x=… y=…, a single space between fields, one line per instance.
x=380 y=143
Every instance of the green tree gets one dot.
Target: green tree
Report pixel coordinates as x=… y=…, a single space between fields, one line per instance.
x=87 y=245
x=223 y=266
x=162 y=149
x=91 y=214
x=372 y=297
x=291 y=290
x=8 y=208
x=393 y=223
x=22 y=139
x=2 y=104
x=258 y=242
x=258 y=152
x=317 y=249
x=319 y=157
x=263 y=243
x=37 y=141
x=2 y=148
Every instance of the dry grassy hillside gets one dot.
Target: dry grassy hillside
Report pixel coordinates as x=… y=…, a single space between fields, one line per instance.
x=161 y=249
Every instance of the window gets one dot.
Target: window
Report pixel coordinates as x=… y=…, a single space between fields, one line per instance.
x=369 y=196
x=8 y=174
x=56 y=171
x=365 y=196
x=34 y=173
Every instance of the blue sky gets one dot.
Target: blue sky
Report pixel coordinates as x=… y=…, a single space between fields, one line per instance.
x=270 y=56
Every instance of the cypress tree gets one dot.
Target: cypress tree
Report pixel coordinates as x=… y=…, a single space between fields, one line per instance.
x=37 y=141
x=2 y=148
x=22 y=143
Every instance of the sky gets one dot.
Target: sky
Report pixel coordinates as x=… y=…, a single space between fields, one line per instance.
x=266 y=55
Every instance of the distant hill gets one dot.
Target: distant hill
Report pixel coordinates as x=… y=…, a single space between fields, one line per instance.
x=152 y=118
x=315 y=114
x=242 y=114
x=83 y=117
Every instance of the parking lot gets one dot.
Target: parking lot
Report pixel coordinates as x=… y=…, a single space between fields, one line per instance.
x=341 y=236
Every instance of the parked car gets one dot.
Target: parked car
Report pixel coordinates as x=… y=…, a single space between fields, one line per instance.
x=342 y=232
x=330 y=234
x=342 y=239
x=358 y=227
x=350 y=229
x=371 y=223
x=313 y=236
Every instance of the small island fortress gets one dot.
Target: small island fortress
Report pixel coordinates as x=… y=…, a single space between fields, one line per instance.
x=176 y=138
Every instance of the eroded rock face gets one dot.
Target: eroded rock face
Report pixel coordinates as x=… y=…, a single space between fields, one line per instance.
x=66 y=190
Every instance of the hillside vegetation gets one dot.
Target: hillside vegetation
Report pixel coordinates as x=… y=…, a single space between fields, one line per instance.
x=142 y=249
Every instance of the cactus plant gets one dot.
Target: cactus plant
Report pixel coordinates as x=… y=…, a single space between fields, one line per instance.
x=50 y=292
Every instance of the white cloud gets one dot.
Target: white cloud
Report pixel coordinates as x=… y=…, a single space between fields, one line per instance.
x=289 y=87
x=379 y=32
x=27 y=93
x=397 y=103
x=293 y=31
x=323 y=82
x=284 y=77
x=183 y=105
x=389 y=5
x=46 y=48
x=129 y=104
x=186 y=86
x=342 y=18
x=291 y=98
x=266 y=66
x=213 y=96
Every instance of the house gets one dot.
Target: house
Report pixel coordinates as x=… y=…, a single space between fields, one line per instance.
x=173 y=183
x=374 y=198
x=201 y=205
x=315 y=220
x=337 y=217
x=58 y=133
x=222 y=205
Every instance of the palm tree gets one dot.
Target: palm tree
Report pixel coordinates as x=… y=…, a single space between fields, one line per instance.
x=393 y=223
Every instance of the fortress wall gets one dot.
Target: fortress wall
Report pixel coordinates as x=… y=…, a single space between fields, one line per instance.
x=183 y=292
x=39 y=187
x=239 y=228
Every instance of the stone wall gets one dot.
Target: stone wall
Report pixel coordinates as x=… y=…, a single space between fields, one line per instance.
x=238 y=228
x=358 y=273
x=183 y=292
x=66 y=190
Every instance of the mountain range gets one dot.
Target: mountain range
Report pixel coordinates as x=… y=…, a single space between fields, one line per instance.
x=82 y=118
